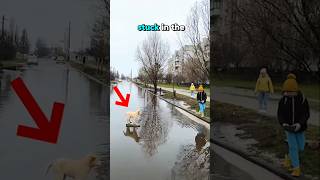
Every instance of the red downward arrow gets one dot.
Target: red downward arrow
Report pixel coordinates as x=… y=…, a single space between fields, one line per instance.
x=123 y=101
x=47 y=131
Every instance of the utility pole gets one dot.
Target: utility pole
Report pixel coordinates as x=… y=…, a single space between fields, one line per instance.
x=2 y=32
x=65 y=44
x=69 y=38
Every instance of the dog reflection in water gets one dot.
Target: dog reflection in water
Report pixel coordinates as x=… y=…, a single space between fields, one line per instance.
x=75 y=169
x=133 y=117
x=132 y=132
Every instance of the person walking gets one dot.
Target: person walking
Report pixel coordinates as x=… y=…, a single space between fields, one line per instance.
x=263 y=87
x=84 y=60
x=201 y=98
x=293 y=114
x=192 y=89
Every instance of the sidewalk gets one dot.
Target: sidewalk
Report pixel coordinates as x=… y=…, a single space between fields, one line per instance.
x=250 y=93
x=247 y=99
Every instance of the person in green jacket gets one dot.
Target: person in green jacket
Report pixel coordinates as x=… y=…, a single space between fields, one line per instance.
x=263 y=88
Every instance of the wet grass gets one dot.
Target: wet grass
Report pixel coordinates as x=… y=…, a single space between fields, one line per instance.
x=189 y=101
x=12 y=64
x=179 y=87
x=268 y=133
x=91 y=71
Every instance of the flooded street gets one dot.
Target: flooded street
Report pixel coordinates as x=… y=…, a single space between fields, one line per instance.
x=167 y=145
x=83 y=129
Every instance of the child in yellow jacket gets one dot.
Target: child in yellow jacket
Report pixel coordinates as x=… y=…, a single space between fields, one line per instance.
x=263 y=87
x=192 y=89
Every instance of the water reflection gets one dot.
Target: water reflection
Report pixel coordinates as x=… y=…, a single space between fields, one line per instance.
x=154 y=130
x=5 y=88
x=193 y=160
x=132 y=133
x=102 y=170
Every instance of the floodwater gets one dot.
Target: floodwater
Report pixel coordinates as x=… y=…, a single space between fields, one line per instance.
x=84 y=128
x=166 y=146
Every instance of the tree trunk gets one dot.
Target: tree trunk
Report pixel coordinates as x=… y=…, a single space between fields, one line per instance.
x=155 y=84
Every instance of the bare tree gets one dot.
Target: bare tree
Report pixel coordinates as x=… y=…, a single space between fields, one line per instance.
x=152 y=55
x=154 y=130
x=284 y=31
x=24 y=43
x=197 y=37
x=100 y=36
x=142 y=76
x=99 y=43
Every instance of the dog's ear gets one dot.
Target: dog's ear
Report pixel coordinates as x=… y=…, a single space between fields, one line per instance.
x=92 y=160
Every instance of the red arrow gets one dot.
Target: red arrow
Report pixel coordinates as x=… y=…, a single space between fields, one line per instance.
x=122 y=102
x=47 y=131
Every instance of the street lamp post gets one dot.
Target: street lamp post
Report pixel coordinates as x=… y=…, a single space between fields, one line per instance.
x=173 y=78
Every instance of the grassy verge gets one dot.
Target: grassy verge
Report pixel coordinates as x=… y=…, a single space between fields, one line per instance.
x=166 y=85
x=12 y=64
x=310 y=90
x=268 y=133
x=189 y=101
x=91 y=71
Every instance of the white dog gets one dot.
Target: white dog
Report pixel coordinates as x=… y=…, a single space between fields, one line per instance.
x=133 y=116
x=76 y=169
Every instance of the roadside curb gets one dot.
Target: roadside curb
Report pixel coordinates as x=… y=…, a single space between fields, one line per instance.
x=279 y=172
x=90 y=76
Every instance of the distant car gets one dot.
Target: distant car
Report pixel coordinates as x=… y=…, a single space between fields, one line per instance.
x=60 y=59
x=32 y=60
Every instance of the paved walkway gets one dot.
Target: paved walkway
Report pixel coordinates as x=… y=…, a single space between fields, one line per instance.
x=247 y=99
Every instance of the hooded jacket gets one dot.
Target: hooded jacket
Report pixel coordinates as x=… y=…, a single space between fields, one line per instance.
x=294 y=109
x=192 y=87
x=202 y=96
x=264 y=84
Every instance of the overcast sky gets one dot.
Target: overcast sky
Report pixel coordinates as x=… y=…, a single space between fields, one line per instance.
x=49 y=19
x=126 y=15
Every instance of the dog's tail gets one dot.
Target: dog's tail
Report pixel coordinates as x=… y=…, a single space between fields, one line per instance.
x=48 y=168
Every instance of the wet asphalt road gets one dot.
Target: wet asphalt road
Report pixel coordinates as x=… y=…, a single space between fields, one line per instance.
x=84 y=128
